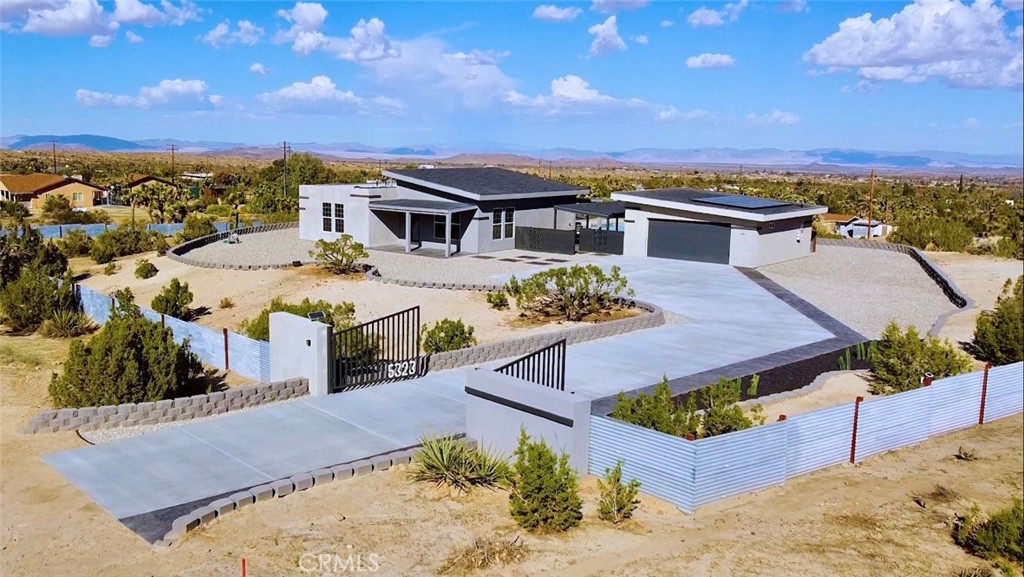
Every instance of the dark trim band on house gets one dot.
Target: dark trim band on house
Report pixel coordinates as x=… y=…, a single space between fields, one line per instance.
x=421 y=206
x=365 y=196
x=520 y=407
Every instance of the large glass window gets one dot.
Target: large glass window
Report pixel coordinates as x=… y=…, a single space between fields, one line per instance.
x=503 y=223
x=339 y=218
x=326 y=213
x=510 y=220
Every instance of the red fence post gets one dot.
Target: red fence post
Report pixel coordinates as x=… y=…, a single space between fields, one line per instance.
x=984 y=394
x=853 y=439
x=782 y=418
x=227 y=367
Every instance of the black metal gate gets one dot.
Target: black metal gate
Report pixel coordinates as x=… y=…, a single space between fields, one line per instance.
x=380 y=351
x=601 y=240
x=544 y=367
x=545 y=240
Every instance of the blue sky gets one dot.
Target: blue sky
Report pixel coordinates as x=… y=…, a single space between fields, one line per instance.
x=604 y=75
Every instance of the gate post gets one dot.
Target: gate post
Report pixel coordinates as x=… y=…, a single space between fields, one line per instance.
x=300 y=348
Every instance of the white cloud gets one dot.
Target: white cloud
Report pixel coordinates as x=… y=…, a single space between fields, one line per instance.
x=606 y=38
x=73 y=18
x=137 y=12
x=257 y=68
x=168 y=92
x=88 y=17
x=642 y=39
x=178 y=15
x=101 y=41
x=667 y=24
x=972 y=124
x=704 y=16
x=964 y=45
x=670 y=113
x=613 y=6
x=1013 y=5
x=708 y=60
x=776 y=117
x=321 y=96
x=216 y=99
x=551 y=13
x=794 y=6
x=133 y=37
x=367 y=40
x=571 y=94
x=304 y=34
x=221 y=35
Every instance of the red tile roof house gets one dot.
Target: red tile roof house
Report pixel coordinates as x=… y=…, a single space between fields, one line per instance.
x=32 y=189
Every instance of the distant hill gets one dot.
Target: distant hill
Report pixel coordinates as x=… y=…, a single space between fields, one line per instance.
x=74 y=141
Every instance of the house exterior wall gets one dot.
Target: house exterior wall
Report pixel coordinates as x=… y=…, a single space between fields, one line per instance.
x=88 y=195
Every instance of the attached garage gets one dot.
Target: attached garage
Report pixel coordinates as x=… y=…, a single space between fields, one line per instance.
x=682 y=240
x=707 y=226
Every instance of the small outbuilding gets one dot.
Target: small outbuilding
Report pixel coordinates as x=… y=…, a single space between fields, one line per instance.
x=707 y=226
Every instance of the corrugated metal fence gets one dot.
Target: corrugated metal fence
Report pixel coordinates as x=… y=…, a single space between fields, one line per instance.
x=50 y=231
x=220 y=349
x=689 y=474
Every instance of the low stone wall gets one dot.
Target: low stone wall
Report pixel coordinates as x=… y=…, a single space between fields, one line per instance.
x=948 y=287
x=165 y=411
x=374 y=275
x=652 y=317
x=178 y=253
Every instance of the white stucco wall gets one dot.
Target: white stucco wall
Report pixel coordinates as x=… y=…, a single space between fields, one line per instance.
x=300 y=347
x=359 y=222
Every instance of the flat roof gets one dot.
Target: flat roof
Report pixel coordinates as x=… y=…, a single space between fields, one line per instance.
x=613 y=209
x=421 y=206
x=689 y=199
x=484 y=183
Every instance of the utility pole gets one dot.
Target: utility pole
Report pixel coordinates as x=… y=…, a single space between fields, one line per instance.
x=549 y=170
x=54 y=144
x=284 y=181
x=871 y=198
x=173 y=175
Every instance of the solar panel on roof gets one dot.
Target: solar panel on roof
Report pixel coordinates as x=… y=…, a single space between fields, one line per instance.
x=747 y=202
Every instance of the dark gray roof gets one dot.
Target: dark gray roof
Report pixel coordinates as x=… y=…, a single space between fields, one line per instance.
x=690 y=196
x=421 y=206
x=611 y=209
x=488 y=181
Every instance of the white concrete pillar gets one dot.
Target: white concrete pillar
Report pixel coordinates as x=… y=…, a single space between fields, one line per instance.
x=408 y=232
x=447 y=234
x=300 y=348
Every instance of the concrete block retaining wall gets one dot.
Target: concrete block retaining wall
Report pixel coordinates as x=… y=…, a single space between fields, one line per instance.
x=178 y=253
x=652 y=317
x=165 y=411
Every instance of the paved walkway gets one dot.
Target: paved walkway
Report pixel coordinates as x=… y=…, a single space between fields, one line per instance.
x=730 y=319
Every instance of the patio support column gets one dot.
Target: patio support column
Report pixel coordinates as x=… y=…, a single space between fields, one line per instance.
x=408 y=232
x=447 y=234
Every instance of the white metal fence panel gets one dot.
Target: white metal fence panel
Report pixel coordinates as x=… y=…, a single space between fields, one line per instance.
x=740 y=462
x=249 y=357
x=954 y=403
x=892 y=422
x=208 y=344
x=1005 y=391
x=95 y=305
x=663 y=464
x=818 y=439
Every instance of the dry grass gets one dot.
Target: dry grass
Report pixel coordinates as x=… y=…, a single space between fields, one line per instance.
x=485 y=553
x=966 y=454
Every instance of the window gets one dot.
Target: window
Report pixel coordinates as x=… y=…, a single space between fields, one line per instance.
x=503 y=223
x=78 y=196
x=339 y=218
x=439 y=227
x=326 y=212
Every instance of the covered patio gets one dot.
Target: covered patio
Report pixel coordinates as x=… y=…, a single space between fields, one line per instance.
x=606 y=210
x=415 y=207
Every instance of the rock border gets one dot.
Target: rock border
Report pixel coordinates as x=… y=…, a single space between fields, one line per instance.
x=165 y=411
x=178 y=253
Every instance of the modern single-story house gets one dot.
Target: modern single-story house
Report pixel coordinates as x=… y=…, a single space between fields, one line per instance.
x=858 y=228
x=472 y=210
x=832 y=220
x=32 y=189
x=706 y=226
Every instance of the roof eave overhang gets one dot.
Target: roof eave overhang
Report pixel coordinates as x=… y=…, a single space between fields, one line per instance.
x=479 y=197
x=716 y=211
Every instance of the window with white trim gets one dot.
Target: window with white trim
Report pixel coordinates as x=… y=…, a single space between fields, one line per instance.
x=503 y=223
x=339 y=218
x=326 y=213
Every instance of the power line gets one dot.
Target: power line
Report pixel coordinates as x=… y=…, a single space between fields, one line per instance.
x=285 y=149
x=173 y=172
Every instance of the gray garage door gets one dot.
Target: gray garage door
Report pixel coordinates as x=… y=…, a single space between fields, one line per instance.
x=699 y=241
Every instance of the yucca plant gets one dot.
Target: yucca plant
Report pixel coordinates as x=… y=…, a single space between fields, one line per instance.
x=450 y=461
x=65 y=324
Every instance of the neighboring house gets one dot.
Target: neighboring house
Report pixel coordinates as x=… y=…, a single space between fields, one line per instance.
x=473 y=210
x=832 y=221
x=706 y=226
x=137 y=181
x=858 y=228
x=1014 y=198
x=32 y=189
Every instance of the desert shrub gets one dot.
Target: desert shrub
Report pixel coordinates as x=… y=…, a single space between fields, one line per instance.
x=722 y=413
x=544 y=489
x=339 y=256
x=226 y=303
x=76 y=243
x=446 y=335
x=999 y=333
x=124 y=241
x=485 y=553
x=221 y=210
x=57 y=210
x=934 y=233
x=110 y=269
x=999 y=537
x=657 y=411
x=901 y=358
x=145 y=269
x=66 y=324
x=498 y=300
x=173 y=300
x=196 y=225
x=450 y=461
x=966 y=454
x=978 y=571
x=569 y=293
x=340 y=316
x=130 y=360
x=34 y=297
x=618 y=499
x=13 y=210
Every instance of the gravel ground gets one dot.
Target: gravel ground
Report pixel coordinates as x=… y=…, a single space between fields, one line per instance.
x=107 y=435
x=274 y=247
x=864 y=288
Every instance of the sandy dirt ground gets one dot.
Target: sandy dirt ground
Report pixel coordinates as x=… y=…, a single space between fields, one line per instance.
x=251 y=291
x=837 y=390
x=981 y=278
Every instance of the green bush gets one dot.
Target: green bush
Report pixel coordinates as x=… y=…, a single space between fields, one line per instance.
x=721 y=412
x=145 y=269
x=76 y=243
x=173 y=300
x=130 y=360
x=13 y=210
x=569 y=293
x=57 y=210
x=196 y=225
x=124 y=241
x=901 y=358
x=498 y=300
x=226 y=303
x=1000 y=537
x=339 y=256
x=450 y=461
x=340 y=315
x=999 y=333
x=618 y=499
x=934 y=233
x=110 y=269
x=35 y=297
x=446 y=335
x=544 y=489
x=221 y=210
x=66 y=324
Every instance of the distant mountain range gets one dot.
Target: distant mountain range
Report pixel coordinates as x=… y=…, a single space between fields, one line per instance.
x=818 y=160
